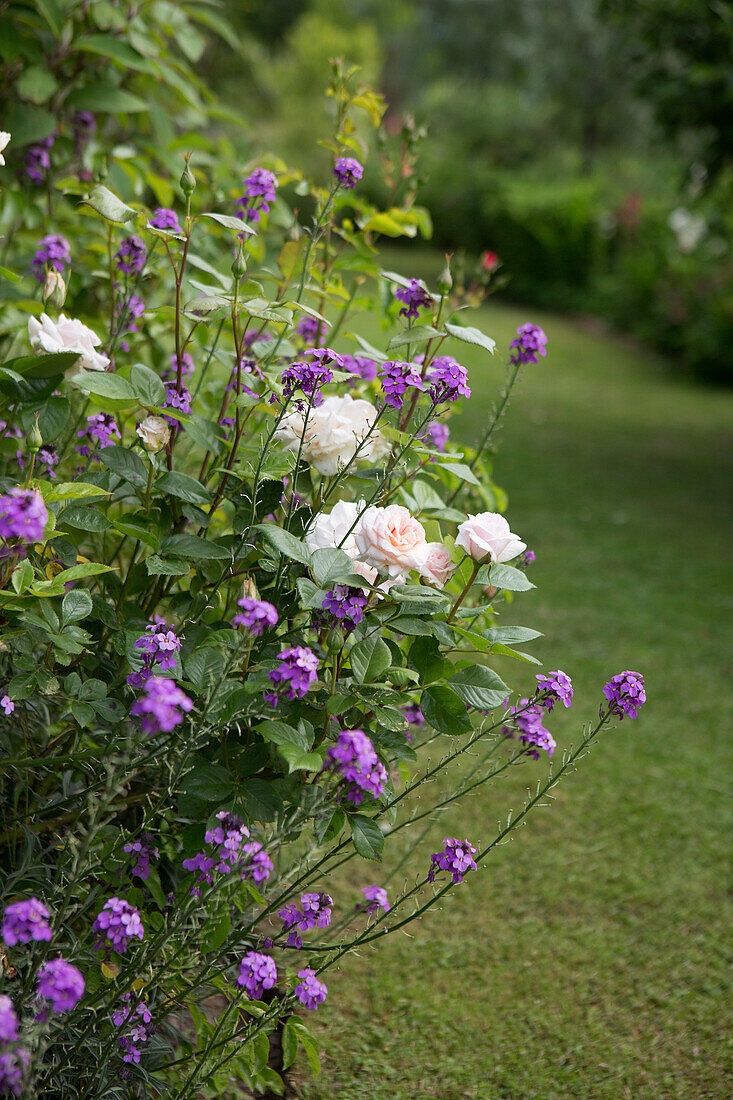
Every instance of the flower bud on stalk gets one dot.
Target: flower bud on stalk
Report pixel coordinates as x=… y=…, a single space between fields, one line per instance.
x=188 y=180
x=239 y=267
x=35 y=439
x=154 y=432
x=54 y=290
x=445 y=279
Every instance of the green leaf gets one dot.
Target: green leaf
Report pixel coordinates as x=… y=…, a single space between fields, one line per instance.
x=420 y=334
x=480 y=687
x=217 y=930
x=279 y=733
x=298 y=760
x=183 y=487
x=109 y=206
x=509 y=578
x=444 y=710
x=28 y=124
x=70 y=490
x=209 y=782
x=194 y=548
x=76 y=572
x=146 y=386
x=286 y=543
x=126 y=464
x=331 y=565
x=410 y=624
x=371 y=351
x=76 y=605
x=465 y=473
x=510 y=635
x=311 y=1051
x=426 y=658
x=205 y=433
x=36 y=84
x=370 y=658
x=229 y=222
x=114 y=48
x=159 y=567
x=204 y=667
x=110 y=386
x=259 y=800
x=289 y=1044
x=52 y=13
x=368 y=838
x=53 y=416
x=471 y=336
x=103 y=96
x=43 y=366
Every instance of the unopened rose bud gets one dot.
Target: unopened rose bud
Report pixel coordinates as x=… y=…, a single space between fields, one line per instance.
x=155 y=432
x=445 y=280
x=249 y=589
x=188 y=180
x=54 y=290
x=239 y=267
x=35 y=439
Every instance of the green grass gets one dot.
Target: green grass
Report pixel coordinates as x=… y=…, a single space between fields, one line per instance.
x=588 y=957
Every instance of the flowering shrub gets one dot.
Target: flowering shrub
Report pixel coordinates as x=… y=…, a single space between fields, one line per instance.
x=233 y=616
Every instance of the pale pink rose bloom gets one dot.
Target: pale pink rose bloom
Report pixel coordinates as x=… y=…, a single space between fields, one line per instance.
x=335 y=529
x=67 y=334
x=487 y=535
x=155 y=433
x=391 y=540
x=436 y=565
x=332 y=434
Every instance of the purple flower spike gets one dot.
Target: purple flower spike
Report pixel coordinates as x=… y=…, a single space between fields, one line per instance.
x=256 y=974
x=53 y=252
x=415 y=297
x=559 y=687
x=24 y=921
x=38 y=160
x=255 y=615
x=456 y=857
x=354 y=757
x=23 y=515
x=297 y=671
x=447 y=379
x=144 y=850
x=436 y=434
x=527 y=720
x=396 y=378
x=259 y=194
x=117 y=924
x=315 y=911
x=61 y=984
x=131 y=256
x=8 y=1020
x=360 y=366
x=346 y=604
x=310 y=328
x=162 y=707
x=529 y=345
x=348 y=172
x=625 y=693
x=13 y=1065
x=101 y=431
x=377 y=898
x=176 y=400
x=160 y=645
x=309 y=991
x=134 y=1016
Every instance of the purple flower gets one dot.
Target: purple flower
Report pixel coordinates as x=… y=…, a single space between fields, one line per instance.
x=162 y=707
x=61 y=984
x=144 y=850
x=176 y=400
x=255 y=615
x=187 y=367
x=448 y=380
x=625 y=693
x=456 y=857
x=415 y=297
x=13 y=1064
x=132 y=310
x=101 y=431
x=377 y=898
x=354 y=757
x=134 y=1016
x=256 y=974
x=23 y=515
x=308 y=377
x=53 y=252
x=529 y=344
x=310 y=328
x=131 y=255
x=165 y=218
x=559 y=688
x=38 y=161
x=346 y=604
x=527 y=719
x=47 y=459
x=436 y=434
x=258 y=865
x=84 y=125
x=360 y=366
x=309 y=991
x=8 y=1020
x=160 y=645
x=414 y=715
x=118 y=923
x=24 y=921
x=529 y=557
x=297 y=671
x=229 y=853
x=315 y=911
x=348 y=172
x=7 y=704
x=259 y=194
x=396 y=377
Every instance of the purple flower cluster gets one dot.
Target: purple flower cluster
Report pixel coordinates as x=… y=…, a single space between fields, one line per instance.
x=255 y=615
x=559 y=688
x=354 y=756
x=117 y=924
x=346 y=604
x=24 y=921
x=133 y=310
x=160 y=645
x=308 y=377
x=311 y=329
x=47 y=459
x=165 y=218
x=176 y=400
x=448 y=380
x=456 y=857
x=530 y=343
x=131 y=256
x=415 y=297
x=13 y=1064
x=436 y=434
x=259 y=194
x=7 y=704
x=8 y=1020
x=360 y=366
x=232 y=851
x=100 y=432
x=297 y=671
x=61 y=984
x=162 y=707
x=315 y=912
x=309 y=991
x=144 y=850
x=529 y=557
x=625 y=693
x=527 y=720
x=53 y=252
x=377 y=898
x=23 y=515
x=256 y=974
x=38 y=160
x=396 y=378
x=348 y=172
x=134 y=1016
x=414 y=716
x=187 y=367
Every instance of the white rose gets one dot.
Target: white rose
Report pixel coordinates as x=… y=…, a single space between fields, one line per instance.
x=155 y=432
x=4 y=139
x=391 y=540
x=334 y=430
x=335 y=529
x=488 y=535
x=67 y=334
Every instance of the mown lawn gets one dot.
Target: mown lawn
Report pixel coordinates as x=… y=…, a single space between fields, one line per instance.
x=588 y=957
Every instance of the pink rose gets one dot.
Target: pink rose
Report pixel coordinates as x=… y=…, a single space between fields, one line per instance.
x=487 y=535
x=436 y=565
x=391 y=540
